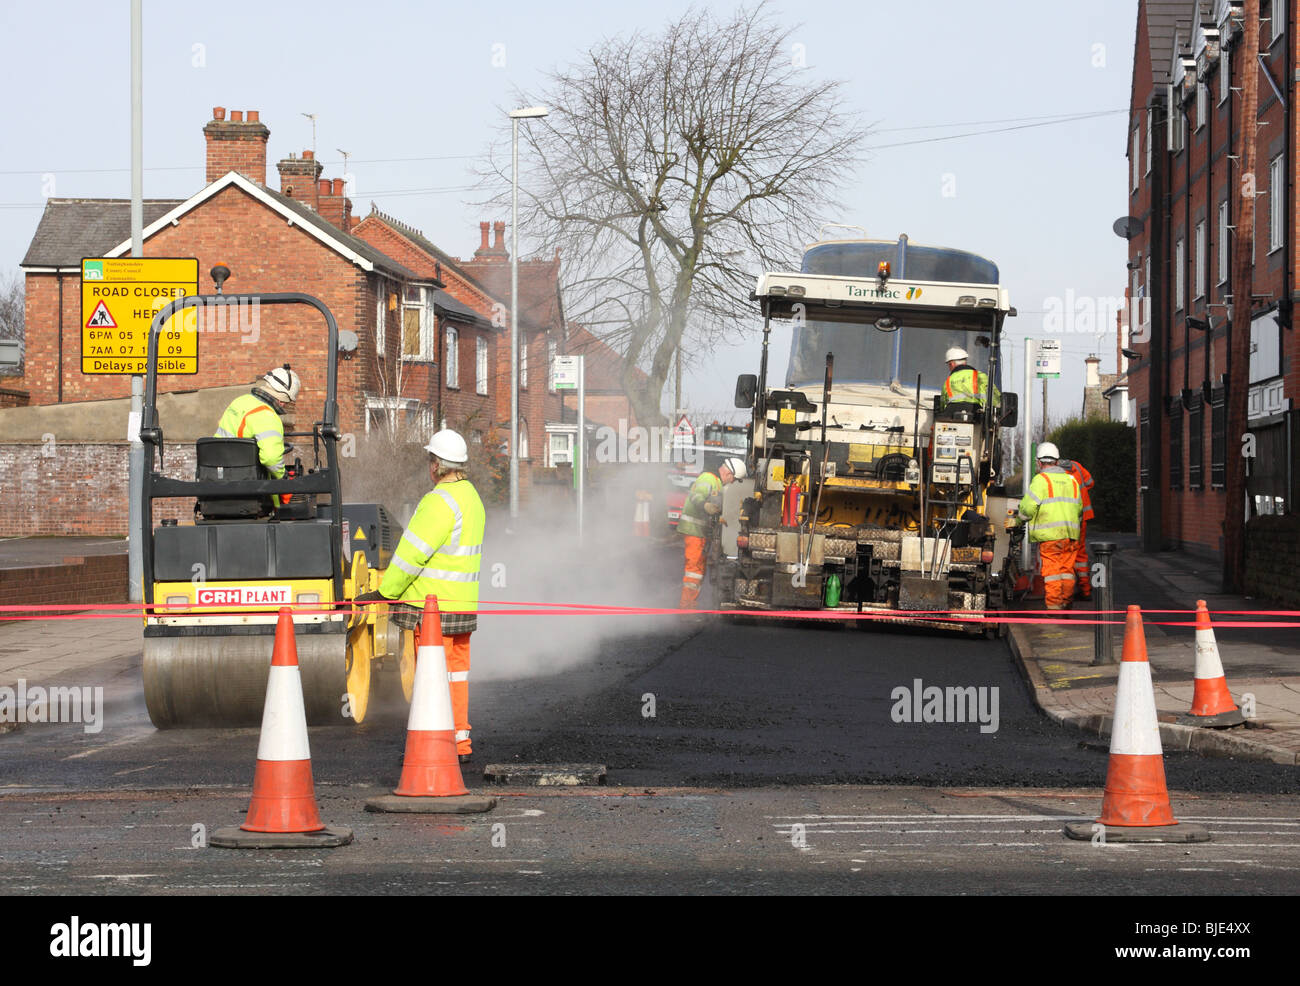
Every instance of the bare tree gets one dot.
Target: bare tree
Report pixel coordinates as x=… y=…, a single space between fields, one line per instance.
x=671 y=167
x=12 y=307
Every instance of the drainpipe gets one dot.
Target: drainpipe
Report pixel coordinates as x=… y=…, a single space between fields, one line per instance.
x=58 y=276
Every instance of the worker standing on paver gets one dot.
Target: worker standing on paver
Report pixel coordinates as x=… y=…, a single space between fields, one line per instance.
x=965 y=384
x=1082 y=577
x=439 y=555
x=1052 y=507
x=703 y=504
x=257 y=415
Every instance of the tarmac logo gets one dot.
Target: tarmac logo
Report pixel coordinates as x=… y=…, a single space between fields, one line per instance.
x=931 y=703
x=55 y=704
x=101 y=940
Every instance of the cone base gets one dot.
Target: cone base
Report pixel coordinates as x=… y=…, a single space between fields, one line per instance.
x=237 y=838
x=468 y=804
x=1221 y=721
x=1178 y=832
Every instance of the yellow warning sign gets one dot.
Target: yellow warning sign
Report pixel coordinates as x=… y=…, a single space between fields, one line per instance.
x=359 y=536
x=119 y=298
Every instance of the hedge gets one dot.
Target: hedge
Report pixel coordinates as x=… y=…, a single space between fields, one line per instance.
x=1108 y=450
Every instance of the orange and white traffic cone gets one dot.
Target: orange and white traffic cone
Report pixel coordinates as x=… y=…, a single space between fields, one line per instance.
x=282 y=813
x=431 y=780
x=1212 y=703
x=641 y=519
x=1135 y=807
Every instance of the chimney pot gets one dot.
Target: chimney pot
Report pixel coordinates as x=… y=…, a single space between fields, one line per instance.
x=218 y=112
x=325 y=187
x=236 y=116
x=483 y=235
x=338 y=186
x=499 y=228
x=308 y=155
x=254 y=116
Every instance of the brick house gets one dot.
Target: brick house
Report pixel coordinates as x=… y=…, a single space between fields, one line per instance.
x=1183 y=144
x=271 y=240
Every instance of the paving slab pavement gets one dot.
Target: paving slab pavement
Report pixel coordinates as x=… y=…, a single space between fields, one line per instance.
x=1261 y=664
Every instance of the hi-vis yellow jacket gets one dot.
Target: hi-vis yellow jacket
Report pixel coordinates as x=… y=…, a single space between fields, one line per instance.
x=248 y=416
x=441 y=550
x=970 y=385
x=1052 y=506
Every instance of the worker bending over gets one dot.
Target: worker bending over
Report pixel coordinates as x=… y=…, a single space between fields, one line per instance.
x=703 y=504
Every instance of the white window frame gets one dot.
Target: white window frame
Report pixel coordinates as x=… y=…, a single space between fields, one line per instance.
x=1223 y=242
x=381 y=333
x=398 y=410
x=552 y=350
x=1179 y=263
x=1151 y=127
x=1277 y=19
x=1199 y=260
x=1202 y=104
x=452 y=336
x=1225 y=72
x=413 y=299
x=480 y=365
x=523 y=363
x=1276 y=200
x=1136 y=154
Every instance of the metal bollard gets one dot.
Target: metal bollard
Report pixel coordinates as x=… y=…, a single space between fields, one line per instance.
x=1103 y=600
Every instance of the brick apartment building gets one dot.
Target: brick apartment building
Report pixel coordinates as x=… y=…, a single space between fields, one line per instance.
x=1184 y=188
x=433 y=332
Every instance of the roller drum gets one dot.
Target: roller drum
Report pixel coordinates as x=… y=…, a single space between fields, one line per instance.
x=194 y=681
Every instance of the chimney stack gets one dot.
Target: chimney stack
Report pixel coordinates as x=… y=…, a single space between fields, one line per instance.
x=1092 y=375
x=236 y=145
x=297 y=175
x=497 y=251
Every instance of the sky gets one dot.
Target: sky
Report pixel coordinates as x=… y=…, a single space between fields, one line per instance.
x=966 y=101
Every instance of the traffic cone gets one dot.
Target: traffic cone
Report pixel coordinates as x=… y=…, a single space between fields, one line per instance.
x=431 y=780
x=1212 y=704
x=282 y=813
x=1135 y=807
x=641 y=519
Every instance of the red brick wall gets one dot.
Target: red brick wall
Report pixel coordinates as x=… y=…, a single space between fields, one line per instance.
x=264 y=253
x=97 y=579
x=14 y=398
x=74 y=488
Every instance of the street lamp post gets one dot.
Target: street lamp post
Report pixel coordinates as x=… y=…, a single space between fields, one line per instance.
x=526 y=113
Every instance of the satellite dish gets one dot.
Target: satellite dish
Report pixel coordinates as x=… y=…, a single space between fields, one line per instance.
x=1127 y=227
x=347 y=341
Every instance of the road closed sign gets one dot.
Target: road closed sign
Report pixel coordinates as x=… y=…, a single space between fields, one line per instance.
x=119 y=298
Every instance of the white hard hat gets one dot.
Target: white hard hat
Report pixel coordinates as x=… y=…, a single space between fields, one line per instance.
x=955 y=354
x=448 y=446
x=737 y=467
x=1048 y=451
x=283 y=383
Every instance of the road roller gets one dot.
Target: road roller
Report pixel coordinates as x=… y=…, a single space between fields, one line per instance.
x=213 y=587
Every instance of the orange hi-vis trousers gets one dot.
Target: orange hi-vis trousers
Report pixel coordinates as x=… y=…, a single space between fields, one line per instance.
x=1056 y=559
x=693 y=577
x=457 y=651
x=1082 y=574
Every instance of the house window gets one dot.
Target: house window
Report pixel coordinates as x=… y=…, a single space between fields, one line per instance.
x=1202 y=104
x=523 y=363
x=1276 y=198
x=1218 y=438
x=1151 y=127
x=380 y=327
x=412 y=331
x=1179 y=264
x=550 y=364
x=453 y=357
x=1176 y=445
x=1195 y=445
x=1200 y=260
x=480 y=365
x=523 y=438
x=1223 y=242
x=1136 y=155
x=1225 y=76
x=1144 y=448
x=1277 y=19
